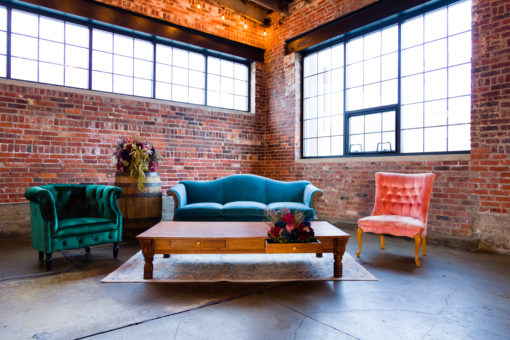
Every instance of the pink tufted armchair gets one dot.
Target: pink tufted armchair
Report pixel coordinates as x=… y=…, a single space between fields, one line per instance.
x=401 y=209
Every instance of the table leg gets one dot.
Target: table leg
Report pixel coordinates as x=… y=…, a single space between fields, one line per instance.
x=148 y=254
x=338 y=253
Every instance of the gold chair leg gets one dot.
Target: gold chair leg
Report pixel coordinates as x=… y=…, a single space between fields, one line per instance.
x=417 y=243
x=382 y=242
x=424 y=245
x=359 y=241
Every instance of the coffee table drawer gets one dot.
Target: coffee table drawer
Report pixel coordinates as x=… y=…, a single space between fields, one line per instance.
x=197 y=244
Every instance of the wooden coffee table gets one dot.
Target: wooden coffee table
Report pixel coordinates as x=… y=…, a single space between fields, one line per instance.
x=183 y=237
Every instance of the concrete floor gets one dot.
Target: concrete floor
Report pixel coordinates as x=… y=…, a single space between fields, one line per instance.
x=453 y=295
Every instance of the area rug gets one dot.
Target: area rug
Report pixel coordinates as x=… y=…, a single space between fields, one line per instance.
x=239 y=268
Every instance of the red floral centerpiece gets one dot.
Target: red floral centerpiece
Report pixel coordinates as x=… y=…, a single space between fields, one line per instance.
x=288 y=227
x=136 y=157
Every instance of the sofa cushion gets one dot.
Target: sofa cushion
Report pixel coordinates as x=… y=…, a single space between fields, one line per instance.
x=244 y=208
x=244 y=188
x=77 y=221
x=308 y=212
x=85 y=229
x=285 y=191
x=198 y=192
x=203 y=210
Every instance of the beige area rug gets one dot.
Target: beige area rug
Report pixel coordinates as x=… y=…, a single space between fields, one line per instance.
x=239 y=268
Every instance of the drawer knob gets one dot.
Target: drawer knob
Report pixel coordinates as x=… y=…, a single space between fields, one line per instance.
x=198 y=243
x=293 y=248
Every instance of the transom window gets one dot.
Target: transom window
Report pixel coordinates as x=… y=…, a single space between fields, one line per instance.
x=406 y=88
x=55 y=51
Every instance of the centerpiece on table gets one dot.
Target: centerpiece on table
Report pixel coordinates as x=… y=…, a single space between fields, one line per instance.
x=141 y=203
x=290 y=232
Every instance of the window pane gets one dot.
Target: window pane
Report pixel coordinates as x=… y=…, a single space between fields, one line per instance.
x=180 y=58
x=143 y=50
x=372 y=95
x=459 y=110
x=411 y=141
x=241 y=71
x=22 y=46
x=337 y=56
x=196 y=62
x=122 y=65
x=372 y=45
x=435 y=113
x=310 y=108
x=411 y=116
x=102 y=81
x=24 y=69
x=51 y=29
x=435 y=139
x=310 y=89
x=241 y=88
x=164 y=73
x=179 y=93
x=324 y=83
x=102 y=41
x=459 y=17
x=197 y=79
x=459 y=49
x=459 y=80
x=180 y=76
x=412 y=60
x=412 y=32
x=435 y=25
x=389 y=66
x=213 y=98
x=25 y=23
x=76 y=77
x=51 y=51
x=122 y=84
x=3 y=42
x=163 y=54
x=142 y=87
x=241 y=103
x=373 y=123
x=459 y=137
x=3 y=19
x=310 y=147
x=388 y=121
x=372 y=71
x=142 y=69
x=102 y=61
x=356 y=124
x=324 y=60
x=354 y=75
x=3 y=66
x=227 y=101
x=163 y=91
x=227 y=85
x=77 y=56
x=412 y=89
x=51 y=73
x=389 y=38
x=324 y=126
x=323 y=105
x=435 y=55
x=337 y=125
x=389 y=92
x=227 y=68
x=310 y=65
x=196 y=96
x=337 y=80
x=77 y=35
x=354 y=51
x=324 y=146
x=337 y=146
x=213 y=65
x=123 y=45
x=355 y=98
x=213 y=82
x=435 y=85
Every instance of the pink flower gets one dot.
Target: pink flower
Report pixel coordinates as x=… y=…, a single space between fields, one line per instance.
x=290 y=227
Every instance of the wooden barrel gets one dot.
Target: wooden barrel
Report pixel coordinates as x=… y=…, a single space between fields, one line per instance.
x=141 y=209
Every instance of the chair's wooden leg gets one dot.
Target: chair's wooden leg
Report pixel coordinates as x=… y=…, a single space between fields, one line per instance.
x=424 y=245
x=417 y=243
x=41 y=256
x=49 y=261
x=382 y=242
x=359 y=232
x=115 y=250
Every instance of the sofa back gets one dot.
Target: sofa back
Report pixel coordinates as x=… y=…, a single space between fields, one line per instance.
x=244 y=188
x=73 y=200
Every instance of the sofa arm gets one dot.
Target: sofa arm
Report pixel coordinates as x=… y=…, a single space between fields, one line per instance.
x=310 y=196
x=178 y=192
x=106 y=197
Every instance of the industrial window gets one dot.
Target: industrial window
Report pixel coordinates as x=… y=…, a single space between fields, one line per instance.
x=54 y=50
x=399 y=89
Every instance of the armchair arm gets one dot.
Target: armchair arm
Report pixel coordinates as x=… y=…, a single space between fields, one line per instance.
x=310 y=195
x=44 y=199
x=178 y=192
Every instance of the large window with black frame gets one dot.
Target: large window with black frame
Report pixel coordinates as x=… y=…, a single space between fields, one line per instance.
x=403 y=88
x=54 y=49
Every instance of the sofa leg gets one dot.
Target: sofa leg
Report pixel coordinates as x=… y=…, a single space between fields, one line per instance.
x=49 y=261
x=166 y=256
x=41 y=256
x=115 y=250
x=87 y=250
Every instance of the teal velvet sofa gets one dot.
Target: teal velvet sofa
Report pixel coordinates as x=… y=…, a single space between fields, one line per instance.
x=241 y=198
x=70 y=216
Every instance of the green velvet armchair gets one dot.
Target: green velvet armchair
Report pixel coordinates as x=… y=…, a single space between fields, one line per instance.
x=70 y=216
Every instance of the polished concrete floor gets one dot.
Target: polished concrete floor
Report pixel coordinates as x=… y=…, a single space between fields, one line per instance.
x=453 y=295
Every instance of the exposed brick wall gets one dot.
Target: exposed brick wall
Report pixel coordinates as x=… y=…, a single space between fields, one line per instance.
x=52 y=136
x=465 y=192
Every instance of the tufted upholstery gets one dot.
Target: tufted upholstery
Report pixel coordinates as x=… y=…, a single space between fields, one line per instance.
x=401 y=206
x=69 y=216
x=241 y=198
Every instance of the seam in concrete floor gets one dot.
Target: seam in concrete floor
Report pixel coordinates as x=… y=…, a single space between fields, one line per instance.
x=309 y=317
x=260 y=292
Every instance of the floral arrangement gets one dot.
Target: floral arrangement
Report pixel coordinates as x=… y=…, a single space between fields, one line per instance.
x=137 y=157
x=288 y=227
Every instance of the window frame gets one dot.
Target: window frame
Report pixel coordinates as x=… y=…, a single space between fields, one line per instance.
x=397 y=19
x=154 y=40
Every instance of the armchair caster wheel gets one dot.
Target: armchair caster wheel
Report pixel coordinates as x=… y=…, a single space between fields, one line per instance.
x=87 y=250
x=49 y=261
